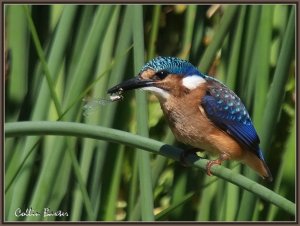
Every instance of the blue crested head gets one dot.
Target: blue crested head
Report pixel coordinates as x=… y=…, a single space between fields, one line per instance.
x=173 y=65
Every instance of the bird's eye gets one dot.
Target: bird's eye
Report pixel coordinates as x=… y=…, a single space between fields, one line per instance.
x=161 y=74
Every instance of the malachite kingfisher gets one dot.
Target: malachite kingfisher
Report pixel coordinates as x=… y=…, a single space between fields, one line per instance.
x=201 y=112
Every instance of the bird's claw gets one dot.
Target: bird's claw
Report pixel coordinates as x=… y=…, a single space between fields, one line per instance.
x=210 y=164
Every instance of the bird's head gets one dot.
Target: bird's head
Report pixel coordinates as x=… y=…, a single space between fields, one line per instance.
x=164 y=76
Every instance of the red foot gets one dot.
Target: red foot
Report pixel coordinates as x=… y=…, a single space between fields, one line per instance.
x=210 y=164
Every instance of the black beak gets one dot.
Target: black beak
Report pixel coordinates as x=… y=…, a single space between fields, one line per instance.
x=130 y=84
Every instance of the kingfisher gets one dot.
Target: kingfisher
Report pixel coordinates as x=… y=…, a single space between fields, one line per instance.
x=201 y=111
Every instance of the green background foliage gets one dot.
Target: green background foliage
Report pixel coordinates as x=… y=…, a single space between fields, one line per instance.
x=56 y=55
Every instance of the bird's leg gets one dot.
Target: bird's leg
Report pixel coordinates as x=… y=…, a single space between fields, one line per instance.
x=218 y=161
x=186 y=153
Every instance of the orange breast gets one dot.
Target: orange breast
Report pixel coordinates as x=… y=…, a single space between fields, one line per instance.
x=191 y=126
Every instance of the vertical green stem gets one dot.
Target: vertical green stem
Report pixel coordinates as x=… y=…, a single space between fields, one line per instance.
x=142 y=119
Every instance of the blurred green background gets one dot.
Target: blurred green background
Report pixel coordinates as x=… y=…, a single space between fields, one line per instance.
x=58 y=54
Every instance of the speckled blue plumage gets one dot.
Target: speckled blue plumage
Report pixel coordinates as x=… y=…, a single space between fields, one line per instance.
x=227 y=111
x=173 y=65
x=222 y=106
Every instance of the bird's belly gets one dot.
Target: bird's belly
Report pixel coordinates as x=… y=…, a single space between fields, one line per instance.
x=191 y=131
x=192 y=127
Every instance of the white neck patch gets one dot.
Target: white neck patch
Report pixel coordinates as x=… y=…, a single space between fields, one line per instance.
x=193 y=81
x=157 y=91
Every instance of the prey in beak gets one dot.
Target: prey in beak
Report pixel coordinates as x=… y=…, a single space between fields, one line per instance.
x=148 y=79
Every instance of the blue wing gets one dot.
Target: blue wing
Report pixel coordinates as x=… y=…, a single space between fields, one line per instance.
x=224 y=108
